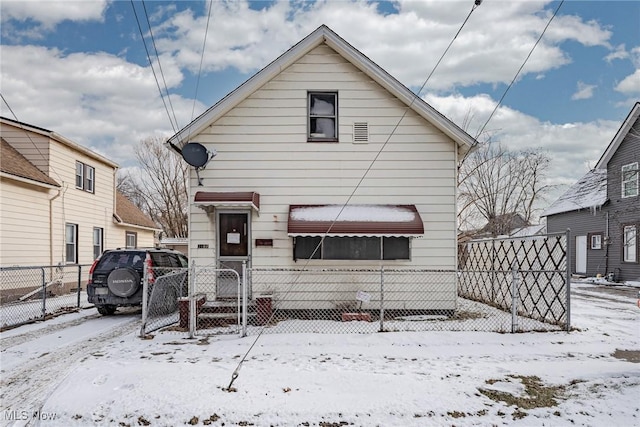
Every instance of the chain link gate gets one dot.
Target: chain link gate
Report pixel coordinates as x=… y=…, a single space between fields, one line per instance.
x=163 y=289
x=528 y=277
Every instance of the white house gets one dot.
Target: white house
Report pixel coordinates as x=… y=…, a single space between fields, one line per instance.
x=322 y=142
x=59 y=202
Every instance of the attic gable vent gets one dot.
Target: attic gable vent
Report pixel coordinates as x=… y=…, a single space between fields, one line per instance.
x=361 y=132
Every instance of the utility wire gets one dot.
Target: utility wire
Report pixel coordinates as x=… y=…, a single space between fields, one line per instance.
x=155 y=76
x=518 y=72
x=235 y=373
x=204 y=43
x=29 y=136
x=166 y=88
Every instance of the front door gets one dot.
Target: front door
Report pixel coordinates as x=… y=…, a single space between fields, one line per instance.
x=233 y=249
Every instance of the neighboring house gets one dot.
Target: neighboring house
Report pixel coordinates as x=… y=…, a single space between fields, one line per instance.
x=176 y=243
x=602 y=210
x=502 y=225
x=58 y=202
x=320 y=127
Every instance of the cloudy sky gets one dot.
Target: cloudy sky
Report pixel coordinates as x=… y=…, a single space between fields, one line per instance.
x=81 y=68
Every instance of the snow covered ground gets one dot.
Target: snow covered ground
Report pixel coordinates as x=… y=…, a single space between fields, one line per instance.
x=82 y=370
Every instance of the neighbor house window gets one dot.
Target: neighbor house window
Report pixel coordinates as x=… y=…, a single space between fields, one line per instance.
x=71 y=243
x=351 y=248
x=131 y=239
x=596 y=241
x=630 y=243
x=323 y=116
x=85 y=177
x=630 y=180
x=97 y=242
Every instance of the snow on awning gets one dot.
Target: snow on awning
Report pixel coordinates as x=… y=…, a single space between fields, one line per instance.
x=355 y=220
x=228 y=199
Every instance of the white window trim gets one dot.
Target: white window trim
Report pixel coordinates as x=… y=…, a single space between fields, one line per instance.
x=631 y=168
x=80 y=175
x=98 y=244
x=311 y=137
x=630 y=251
x=132 y=234
x=90 y=174
x=596 y=241
x=74 y=242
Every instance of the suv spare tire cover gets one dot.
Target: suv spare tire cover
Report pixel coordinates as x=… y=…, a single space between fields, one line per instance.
x=123 y=282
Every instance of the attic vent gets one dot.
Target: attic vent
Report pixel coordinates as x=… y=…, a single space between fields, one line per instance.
x=361 y=132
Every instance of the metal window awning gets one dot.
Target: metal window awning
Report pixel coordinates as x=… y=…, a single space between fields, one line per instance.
x=228 y=199
x=355 y=221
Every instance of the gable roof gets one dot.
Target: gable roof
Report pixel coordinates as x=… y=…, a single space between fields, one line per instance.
x=59 y=138
x=15 y=164
x=324 y=34
x=129 y=214
x=628 y=123
x=589 y=192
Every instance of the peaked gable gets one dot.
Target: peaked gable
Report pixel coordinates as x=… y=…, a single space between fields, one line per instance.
x=14 y=163
x=324 y=34
x=627 y=125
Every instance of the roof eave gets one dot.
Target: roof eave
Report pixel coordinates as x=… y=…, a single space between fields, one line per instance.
x=29 y=181
x=619 y=137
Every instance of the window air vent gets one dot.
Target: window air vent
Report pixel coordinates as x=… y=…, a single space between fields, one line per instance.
x=361 y=132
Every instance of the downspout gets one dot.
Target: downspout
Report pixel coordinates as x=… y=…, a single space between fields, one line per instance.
x=51 y=262
x=606 y=243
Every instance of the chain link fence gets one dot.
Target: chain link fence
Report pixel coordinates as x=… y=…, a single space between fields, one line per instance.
x=29 y=294
x=526 y=276
x=164 y=290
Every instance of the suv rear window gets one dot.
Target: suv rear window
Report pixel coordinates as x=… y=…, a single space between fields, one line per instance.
x=113 y=260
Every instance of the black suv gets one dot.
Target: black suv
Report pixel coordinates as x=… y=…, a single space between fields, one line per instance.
x=116 y=277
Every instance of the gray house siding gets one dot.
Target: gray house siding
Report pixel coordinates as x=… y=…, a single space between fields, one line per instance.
x=582 y=223
x=623 y=210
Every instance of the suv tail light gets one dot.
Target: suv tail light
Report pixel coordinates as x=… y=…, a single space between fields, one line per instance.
x=93 y=267
x=151 y=278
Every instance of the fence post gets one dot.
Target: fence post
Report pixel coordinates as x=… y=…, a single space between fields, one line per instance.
x=381 y=299
x=44 y=294
x=514 y=297
x=145 y=296
x=192 y=300
x=244 y=299
x=79 y=282
x=568 y=278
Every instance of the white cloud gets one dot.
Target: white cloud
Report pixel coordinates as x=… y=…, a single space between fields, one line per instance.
x=584 y=91
x=98 y=100
x=47 y=14
x=575 y=147
x=248 y=39
x=630 y=85
x=619 y=53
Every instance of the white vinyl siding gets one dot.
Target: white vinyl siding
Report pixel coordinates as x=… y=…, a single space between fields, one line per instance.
x=630 y=176
x=262 y=146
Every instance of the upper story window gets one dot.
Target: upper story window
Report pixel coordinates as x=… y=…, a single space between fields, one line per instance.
x=85 y=177
x=630 y=180
x=323 y=116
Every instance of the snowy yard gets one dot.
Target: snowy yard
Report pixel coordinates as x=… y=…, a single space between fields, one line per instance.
x=82 y=369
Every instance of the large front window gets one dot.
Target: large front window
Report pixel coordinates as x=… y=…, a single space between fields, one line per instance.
x=71 y=243
x=630 y=243
x=351 y=248
x=323 y=116
x=630 y=180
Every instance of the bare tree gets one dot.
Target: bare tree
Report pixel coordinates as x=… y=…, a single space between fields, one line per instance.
x=501 y=187
x=161 y=188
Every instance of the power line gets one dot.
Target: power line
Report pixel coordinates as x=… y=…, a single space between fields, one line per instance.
x=519 y=70
x=155 y=76
x=235 y=373
x=29 y=136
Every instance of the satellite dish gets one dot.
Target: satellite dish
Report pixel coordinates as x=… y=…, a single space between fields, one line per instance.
x=195 y=154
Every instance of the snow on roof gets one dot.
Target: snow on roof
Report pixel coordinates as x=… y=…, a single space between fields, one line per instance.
x=589 y=192
x=530 y=230
x=362 y=213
